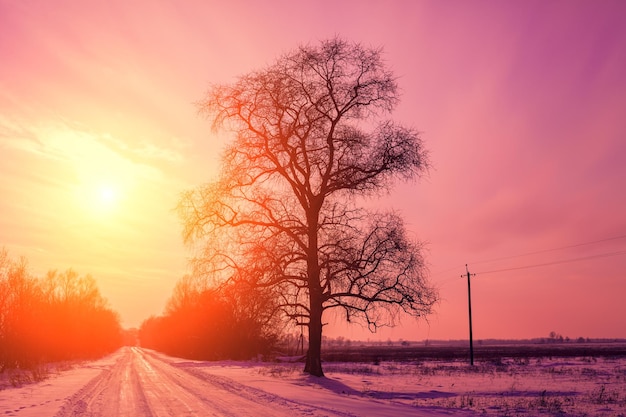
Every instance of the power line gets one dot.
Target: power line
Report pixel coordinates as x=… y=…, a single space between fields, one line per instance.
x=564 y=261
x=550 y=250
x=528 y=254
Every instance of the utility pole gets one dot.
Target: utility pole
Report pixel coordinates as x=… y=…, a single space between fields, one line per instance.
x=301 y=340
x=469 y=304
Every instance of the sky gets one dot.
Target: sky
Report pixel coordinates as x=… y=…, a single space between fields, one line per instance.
x=521 y=105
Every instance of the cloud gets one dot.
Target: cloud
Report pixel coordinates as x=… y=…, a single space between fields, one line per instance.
x=91 y=154
x=148 y=151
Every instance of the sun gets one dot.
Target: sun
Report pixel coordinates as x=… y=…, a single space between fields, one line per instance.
x=105 y=198
x=107 y=195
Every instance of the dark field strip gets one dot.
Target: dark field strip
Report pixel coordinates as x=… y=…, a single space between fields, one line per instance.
x=481 y=352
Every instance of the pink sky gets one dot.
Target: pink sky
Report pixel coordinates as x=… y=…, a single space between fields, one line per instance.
x=522 y=105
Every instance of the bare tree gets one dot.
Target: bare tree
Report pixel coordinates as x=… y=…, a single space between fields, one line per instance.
x=285 y=214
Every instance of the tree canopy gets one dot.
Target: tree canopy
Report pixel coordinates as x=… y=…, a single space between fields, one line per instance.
x=234 y=321
x=286 y=213
x=58 y=317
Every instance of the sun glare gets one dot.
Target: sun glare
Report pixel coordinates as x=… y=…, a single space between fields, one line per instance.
x=103 y=181
x=105 y=198
x=107 y=195
x=102 y=198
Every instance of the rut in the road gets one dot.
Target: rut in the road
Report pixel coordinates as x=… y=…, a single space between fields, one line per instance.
x=143 y=384
x=114 y=392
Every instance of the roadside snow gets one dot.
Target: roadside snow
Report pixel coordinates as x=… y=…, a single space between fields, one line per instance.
x=139 y=382
x=46 y=398
x=537 y=387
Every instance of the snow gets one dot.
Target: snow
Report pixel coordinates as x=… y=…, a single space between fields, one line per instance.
x=138 y=382
x=45 y=398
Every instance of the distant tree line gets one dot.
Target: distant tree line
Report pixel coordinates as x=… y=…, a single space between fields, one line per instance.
x=232 y=321
x=61 y=316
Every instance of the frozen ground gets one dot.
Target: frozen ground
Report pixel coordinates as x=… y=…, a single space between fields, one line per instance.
x=138 y=382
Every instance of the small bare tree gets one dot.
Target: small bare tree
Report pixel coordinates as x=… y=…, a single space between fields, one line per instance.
x=284 y=213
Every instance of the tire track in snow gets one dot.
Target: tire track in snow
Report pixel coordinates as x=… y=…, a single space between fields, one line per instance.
x=168 y=395
x=141 y=383
x=114 y=392
x=252 y=394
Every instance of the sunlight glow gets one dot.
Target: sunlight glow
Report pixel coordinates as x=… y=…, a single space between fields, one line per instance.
x=103 y=175
x=101 y=197
x=107 y=196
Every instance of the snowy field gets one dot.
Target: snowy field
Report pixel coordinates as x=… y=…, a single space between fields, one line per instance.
x=138 y=382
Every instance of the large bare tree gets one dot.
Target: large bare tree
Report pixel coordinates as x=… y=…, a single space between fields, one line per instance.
x=287 y=211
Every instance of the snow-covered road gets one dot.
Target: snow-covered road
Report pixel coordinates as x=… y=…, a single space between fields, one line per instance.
x=144 y=384
x=137 y=382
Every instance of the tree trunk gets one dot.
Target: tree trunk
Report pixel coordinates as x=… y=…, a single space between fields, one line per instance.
x=313 y=364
